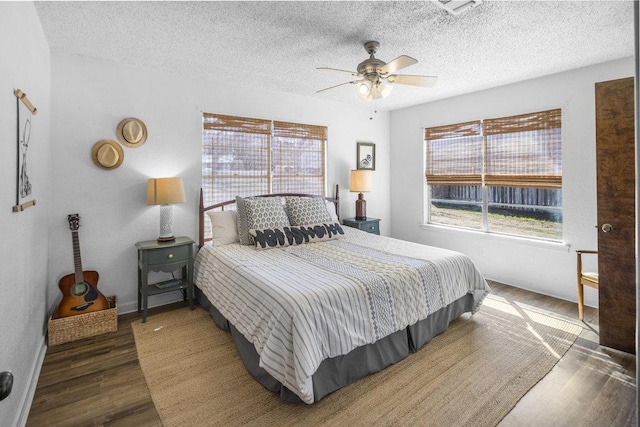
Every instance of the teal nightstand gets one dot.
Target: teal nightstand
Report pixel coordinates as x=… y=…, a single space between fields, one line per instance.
x=166 y=257
x=370 y=225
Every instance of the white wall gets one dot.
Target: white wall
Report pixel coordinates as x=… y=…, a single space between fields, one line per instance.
x=544 y=268
x=89 y=99
x=24 y=64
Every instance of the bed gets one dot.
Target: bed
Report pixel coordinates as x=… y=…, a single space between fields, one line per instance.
x=313 y=306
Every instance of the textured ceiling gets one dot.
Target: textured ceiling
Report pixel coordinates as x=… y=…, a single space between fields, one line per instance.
x=279 y=45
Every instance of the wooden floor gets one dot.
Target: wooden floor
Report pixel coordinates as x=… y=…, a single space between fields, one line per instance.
x=98 y=381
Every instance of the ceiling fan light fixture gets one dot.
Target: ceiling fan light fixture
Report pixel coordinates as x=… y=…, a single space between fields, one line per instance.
x=374 y=73
x=364 y=88
x=378 y=90
x=384 y=89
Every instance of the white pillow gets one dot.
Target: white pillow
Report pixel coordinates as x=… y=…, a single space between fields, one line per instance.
x=331 y=207
x=223 y=227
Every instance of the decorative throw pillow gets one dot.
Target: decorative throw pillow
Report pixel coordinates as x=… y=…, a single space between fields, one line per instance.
x=223 y=227
x=265 y=212
x=242 y=224
x=307 y=210
x=275 y=237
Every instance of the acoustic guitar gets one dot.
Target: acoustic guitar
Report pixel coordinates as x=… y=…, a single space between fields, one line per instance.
x=79 y=290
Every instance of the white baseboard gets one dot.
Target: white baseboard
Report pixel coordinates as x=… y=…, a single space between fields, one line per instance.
x=154 y=301
x=30 y=391
x=589 y=299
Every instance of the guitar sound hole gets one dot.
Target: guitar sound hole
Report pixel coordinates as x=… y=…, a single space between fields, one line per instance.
x=79 y=289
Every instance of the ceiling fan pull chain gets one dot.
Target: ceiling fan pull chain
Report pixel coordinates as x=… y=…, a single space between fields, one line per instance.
x=373 y=110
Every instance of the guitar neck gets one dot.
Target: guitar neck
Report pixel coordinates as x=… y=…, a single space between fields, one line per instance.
x=77 y=261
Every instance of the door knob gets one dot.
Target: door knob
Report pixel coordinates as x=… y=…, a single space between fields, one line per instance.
x=607 y=228
x=6 y=384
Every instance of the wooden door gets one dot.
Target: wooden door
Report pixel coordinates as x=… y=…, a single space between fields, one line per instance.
x=616 y=213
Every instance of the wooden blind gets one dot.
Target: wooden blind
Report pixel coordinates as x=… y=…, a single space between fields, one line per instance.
x=299 y=131
x=454 y=154
x=235 y=157
x=539 y=121
x=235 y=124
x=524 y=150
x=298 y=158
x=516 y=151
x=245 y=156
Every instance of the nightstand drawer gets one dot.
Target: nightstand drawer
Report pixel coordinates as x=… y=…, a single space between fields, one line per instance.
x=370 y=225
x=165 y=255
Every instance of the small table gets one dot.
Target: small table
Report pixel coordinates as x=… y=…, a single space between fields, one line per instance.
x=166 y=257
x=370 y=225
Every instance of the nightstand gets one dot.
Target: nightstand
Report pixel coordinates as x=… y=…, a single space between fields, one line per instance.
x=370 y=225
x=166 y=257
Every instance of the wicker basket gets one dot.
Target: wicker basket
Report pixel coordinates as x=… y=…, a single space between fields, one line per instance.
x=72 y=328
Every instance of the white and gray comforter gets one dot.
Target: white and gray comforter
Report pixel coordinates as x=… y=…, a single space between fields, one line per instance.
x=302 y=304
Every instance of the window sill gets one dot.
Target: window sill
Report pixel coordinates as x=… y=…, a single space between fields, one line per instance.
x=546 y=244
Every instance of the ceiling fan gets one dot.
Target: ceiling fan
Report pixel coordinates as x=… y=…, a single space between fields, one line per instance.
x=373 y=72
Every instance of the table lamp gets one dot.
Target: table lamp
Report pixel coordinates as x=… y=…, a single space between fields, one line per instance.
x=361 y=181
x=165 y=192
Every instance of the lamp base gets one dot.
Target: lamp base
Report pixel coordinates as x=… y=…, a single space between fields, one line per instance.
x=166 y=220
x=361 y=208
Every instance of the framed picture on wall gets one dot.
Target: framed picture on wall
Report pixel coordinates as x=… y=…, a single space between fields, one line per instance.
x=24 y=114
x=366 y=155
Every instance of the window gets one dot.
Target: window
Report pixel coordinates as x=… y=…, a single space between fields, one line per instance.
x=244 y=157
x=500 y=175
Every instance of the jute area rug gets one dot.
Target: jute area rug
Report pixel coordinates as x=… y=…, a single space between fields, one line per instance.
x=473 y=374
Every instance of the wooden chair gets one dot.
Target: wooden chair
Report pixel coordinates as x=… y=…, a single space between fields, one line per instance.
x=584 y=279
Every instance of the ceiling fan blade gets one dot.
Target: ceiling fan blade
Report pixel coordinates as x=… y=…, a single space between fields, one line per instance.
x=403 y=79
x=397 y=64
x=341 y=84
x=353 y=73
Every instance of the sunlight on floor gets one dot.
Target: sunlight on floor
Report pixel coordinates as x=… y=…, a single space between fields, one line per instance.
x=606 y=364
x=533 y=317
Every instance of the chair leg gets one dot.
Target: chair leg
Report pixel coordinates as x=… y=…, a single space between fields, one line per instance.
x=580 y=301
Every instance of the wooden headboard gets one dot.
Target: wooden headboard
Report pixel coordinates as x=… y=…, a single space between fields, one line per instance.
x=222 y=205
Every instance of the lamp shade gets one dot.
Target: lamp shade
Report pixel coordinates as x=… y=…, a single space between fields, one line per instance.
x=165 y=191
x=361 y=181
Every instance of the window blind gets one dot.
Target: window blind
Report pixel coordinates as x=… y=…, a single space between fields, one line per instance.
x=454 y=154
x=524 y=150
x=235 y=124
x=298 y=158
x=246 y=156
x=235 y=157
x=515 y=151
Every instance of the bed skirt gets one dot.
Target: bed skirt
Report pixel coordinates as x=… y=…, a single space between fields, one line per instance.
x=340 y=371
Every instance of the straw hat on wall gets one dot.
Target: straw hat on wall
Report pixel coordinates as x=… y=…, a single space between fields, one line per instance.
x=107 y=154
x=132 y=132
